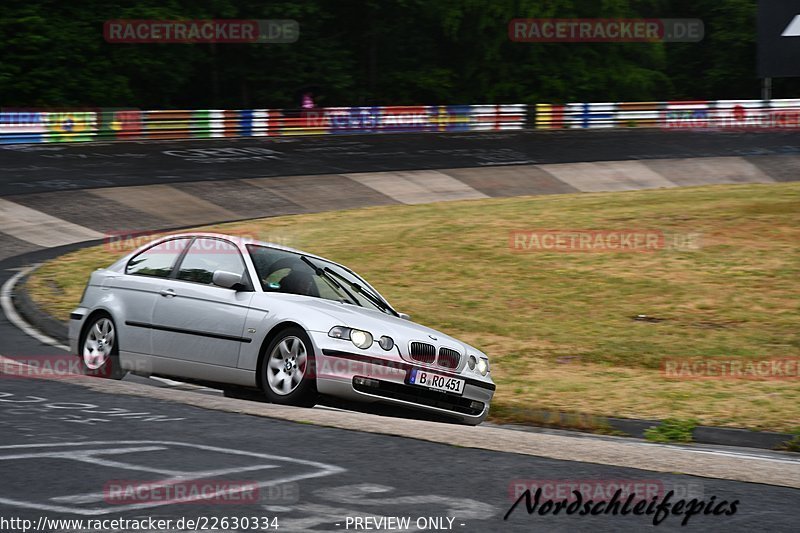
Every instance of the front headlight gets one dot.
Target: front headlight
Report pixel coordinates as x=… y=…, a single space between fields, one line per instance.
x=483 y=366
x=362 y=339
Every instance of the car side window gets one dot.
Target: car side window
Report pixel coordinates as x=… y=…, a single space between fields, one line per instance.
x=158 y=260
x=207 y=255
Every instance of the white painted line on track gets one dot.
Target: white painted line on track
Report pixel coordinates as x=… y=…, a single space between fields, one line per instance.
x=171 y=382
x=15 y=318
x=269 y=462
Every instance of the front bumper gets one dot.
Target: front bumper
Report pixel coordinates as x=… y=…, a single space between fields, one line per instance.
x=367 y=377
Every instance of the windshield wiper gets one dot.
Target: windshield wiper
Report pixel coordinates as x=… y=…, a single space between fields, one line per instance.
x=369 y=295
x=322 y=273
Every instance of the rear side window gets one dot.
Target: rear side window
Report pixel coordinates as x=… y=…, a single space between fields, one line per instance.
x=158 y=260
x=207 y=255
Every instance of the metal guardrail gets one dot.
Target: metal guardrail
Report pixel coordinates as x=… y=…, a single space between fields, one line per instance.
x=702 y=114
x=75 y=125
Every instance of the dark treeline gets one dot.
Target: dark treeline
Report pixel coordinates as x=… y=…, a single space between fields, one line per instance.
x=370 y=52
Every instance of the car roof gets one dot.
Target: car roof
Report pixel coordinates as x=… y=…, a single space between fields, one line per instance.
x=244 y=241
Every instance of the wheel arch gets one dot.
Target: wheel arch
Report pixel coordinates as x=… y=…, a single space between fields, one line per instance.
x=268 y=338
x=100 y=311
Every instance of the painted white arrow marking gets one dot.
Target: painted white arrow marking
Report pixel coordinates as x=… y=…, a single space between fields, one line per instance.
x=87 y=452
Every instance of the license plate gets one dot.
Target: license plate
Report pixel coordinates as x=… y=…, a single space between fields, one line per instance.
x=423 y=378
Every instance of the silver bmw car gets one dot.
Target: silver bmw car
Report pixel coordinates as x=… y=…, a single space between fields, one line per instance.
x=241 y=315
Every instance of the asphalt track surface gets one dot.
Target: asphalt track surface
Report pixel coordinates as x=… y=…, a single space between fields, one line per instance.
x=340 y=473
x=357 y=474
x=34 y=168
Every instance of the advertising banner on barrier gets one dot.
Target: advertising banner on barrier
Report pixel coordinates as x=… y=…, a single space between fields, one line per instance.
x=638 y=114
x=683 y=115
x=202 y=123
x=171 y=124
x=355 y=119
x=751 y=115
x=453 y=117
x=549 y=116
x=405 y=119
x=755 y=115
x=22 y=127
x=305 y=122
x=591 y=115
x=72 y=125
x=119 y=123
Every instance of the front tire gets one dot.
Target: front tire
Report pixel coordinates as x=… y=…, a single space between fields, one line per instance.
x=288 y=370
x=99 y=352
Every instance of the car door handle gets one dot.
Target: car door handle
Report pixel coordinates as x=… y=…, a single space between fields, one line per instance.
x=167 y=293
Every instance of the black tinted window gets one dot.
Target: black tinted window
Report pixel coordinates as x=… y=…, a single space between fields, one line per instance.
x=207 y=255
x=284 y=271
x=158 y=260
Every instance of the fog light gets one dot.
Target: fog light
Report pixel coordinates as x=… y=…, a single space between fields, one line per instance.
x=362 y=339
x=476 y=405
x=366 y=382
x=387 y=343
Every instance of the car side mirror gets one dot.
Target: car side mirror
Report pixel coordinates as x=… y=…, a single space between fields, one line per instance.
x=404 y=316
x=228 y=280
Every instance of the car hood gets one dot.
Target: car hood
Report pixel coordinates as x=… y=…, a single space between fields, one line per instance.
x=378 y=324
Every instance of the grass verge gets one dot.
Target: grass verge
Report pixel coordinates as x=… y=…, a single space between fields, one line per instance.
x=561 y=328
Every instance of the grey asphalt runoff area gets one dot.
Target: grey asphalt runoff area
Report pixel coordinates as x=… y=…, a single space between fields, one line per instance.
x=34 y=168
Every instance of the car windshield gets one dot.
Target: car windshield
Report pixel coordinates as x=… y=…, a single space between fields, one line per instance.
x=295 y=273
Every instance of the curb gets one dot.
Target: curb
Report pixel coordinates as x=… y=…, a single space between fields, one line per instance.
x=626 y=427
x=34 y=314
x=635 y=428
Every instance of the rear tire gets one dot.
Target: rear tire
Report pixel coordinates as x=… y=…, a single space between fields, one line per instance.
x=288 y=370
x=99 y=350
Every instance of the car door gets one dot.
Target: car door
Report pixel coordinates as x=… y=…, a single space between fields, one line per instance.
x=198 y=326
x=137 y=290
